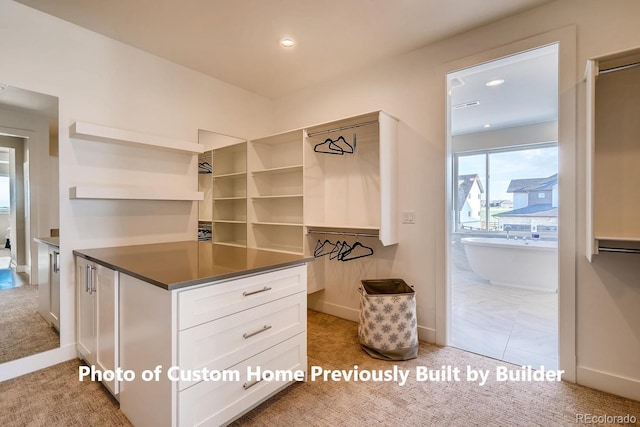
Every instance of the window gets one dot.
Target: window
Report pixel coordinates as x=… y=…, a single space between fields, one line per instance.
x=503 y=180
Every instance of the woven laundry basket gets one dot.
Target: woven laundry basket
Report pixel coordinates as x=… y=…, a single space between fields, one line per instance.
x=388 y=327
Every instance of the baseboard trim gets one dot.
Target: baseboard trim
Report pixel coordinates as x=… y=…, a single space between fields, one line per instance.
x=614 y=384
x=26 y=365
x=424 y=334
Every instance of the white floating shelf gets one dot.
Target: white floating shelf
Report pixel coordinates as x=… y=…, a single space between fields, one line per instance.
x=107 y=134
x=118 y=193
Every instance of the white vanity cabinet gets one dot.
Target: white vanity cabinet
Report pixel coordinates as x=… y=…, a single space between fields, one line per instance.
x=97 y=317
x=233 y=325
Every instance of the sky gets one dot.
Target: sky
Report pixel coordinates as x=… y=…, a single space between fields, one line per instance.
x=507 y=165
x=4 y=191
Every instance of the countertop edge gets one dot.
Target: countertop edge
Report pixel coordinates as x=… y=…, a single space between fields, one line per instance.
x=175 y=286
x=48 y=241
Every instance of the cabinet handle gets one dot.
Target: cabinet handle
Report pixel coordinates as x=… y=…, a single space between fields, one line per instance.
x=259 y=331
x=56 y=262
x=246 y=294
x=89 y=285
x=247 y=386
x=92 y=288
x=87 y=277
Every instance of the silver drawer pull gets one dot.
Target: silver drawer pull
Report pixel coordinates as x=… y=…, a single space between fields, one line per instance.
x=247 y=386
x=259 y=331
x=265 y=289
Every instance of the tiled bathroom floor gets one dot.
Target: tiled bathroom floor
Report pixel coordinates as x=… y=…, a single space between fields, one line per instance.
x=514 y=325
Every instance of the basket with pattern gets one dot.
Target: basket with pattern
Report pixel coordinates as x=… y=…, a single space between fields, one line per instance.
x=388 y=326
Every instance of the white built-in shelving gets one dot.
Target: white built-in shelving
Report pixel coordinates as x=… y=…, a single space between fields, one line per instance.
x=93 y=132
x=82 y=131
x=229 y=194
x=132 y=193
x=612 y=93
x=275 y=191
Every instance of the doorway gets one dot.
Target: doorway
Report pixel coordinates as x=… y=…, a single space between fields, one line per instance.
x=503 y=251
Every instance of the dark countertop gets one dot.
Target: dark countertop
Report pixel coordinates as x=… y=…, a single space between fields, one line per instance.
x=177 y=265
x=51 y=241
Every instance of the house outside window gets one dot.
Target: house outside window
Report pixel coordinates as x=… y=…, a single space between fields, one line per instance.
x=513 y=190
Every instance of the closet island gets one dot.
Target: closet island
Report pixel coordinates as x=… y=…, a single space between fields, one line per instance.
x=174 y=311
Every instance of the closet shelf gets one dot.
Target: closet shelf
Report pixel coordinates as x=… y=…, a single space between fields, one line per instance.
x=229 y=221
x=282 y=169
x=100 y=133
x=230 y=198
x=237 y=243
x=119 y=193
x=283 y=248
x=230 y=175
x=285 y=224
x=284 y=196
x=345 y=228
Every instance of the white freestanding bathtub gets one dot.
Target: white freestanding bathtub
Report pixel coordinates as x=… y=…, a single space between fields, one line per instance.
x=527 y=264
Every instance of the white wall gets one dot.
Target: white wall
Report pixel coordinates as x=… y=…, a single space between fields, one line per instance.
x=99 y=80
x=412 y=87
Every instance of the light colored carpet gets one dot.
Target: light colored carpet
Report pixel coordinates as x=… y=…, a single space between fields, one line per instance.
x=54 y=397
x=23 y=331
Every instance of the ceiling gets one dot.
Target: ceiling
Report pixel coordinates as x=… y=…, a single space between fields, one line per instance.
x=529 y=93
x=238 y=41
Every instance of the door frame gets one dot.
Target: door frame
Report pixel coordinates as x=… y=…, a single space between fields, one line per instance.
x=567 y=179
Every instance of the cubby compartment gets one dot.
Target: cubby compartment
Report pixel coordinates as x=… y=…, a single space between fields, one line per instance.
x=283 y=209
x=277 y=237
x=229 y=186
x=277 y=151
x=230 y=233
x=278 y=182
x=230 y=160
x=233 y=209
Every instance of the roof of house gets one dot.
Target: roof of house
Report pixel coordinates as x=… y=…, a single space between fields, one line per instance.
x=465 y=183
x=532 y=184
x=544 y=210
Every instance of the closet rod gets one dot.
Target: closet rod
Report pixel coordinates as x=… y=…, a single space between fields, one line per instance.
x=621 y=250
x=620 y=68
x=342 y=128
x=337 y=233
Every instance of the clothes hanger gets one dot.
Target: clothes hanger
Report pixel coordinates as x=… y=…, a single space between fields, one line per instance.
x=328 y=147
x=343 y=250
x=349 y=149
x=321 y=249
x=336 y=250
x=359 y=253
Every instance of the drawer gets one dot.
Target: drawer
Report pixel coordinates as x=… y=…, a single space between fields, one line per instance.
x=213 y=403
x=225 y=342
x=207 y=303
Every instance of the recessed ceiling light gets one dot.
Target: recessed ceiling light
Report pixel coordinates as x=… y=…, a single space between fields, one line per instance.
x=487 y=125
x=496 y=82
x=287 y=42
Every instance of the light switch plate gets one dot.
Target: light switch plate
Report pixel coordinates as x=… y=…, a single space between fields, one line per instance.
x=408 y=217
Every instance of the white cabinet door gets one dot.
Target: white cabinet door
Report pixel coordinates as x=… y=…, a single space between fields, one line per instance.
x=106 y=293
x=54 y=286
x=97 y=317
x=85 y=316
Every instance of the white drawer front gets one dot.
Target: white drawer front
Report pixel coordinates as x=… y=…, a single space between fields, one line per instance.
x=224 y=342
x=210 y=403
x=201 y=305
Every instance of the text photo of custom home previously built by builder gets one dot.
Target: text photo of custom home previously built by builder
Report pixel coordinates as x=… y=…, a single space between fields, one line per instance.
x=306 y=213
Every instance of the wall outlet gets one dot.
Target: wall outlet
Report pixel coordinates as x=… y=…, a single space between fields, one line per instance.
x=408 y=217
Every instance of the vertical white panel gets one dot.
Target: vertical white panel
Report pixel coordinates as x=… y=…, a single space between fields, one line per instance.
x=590 y=74
x=388 y=179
